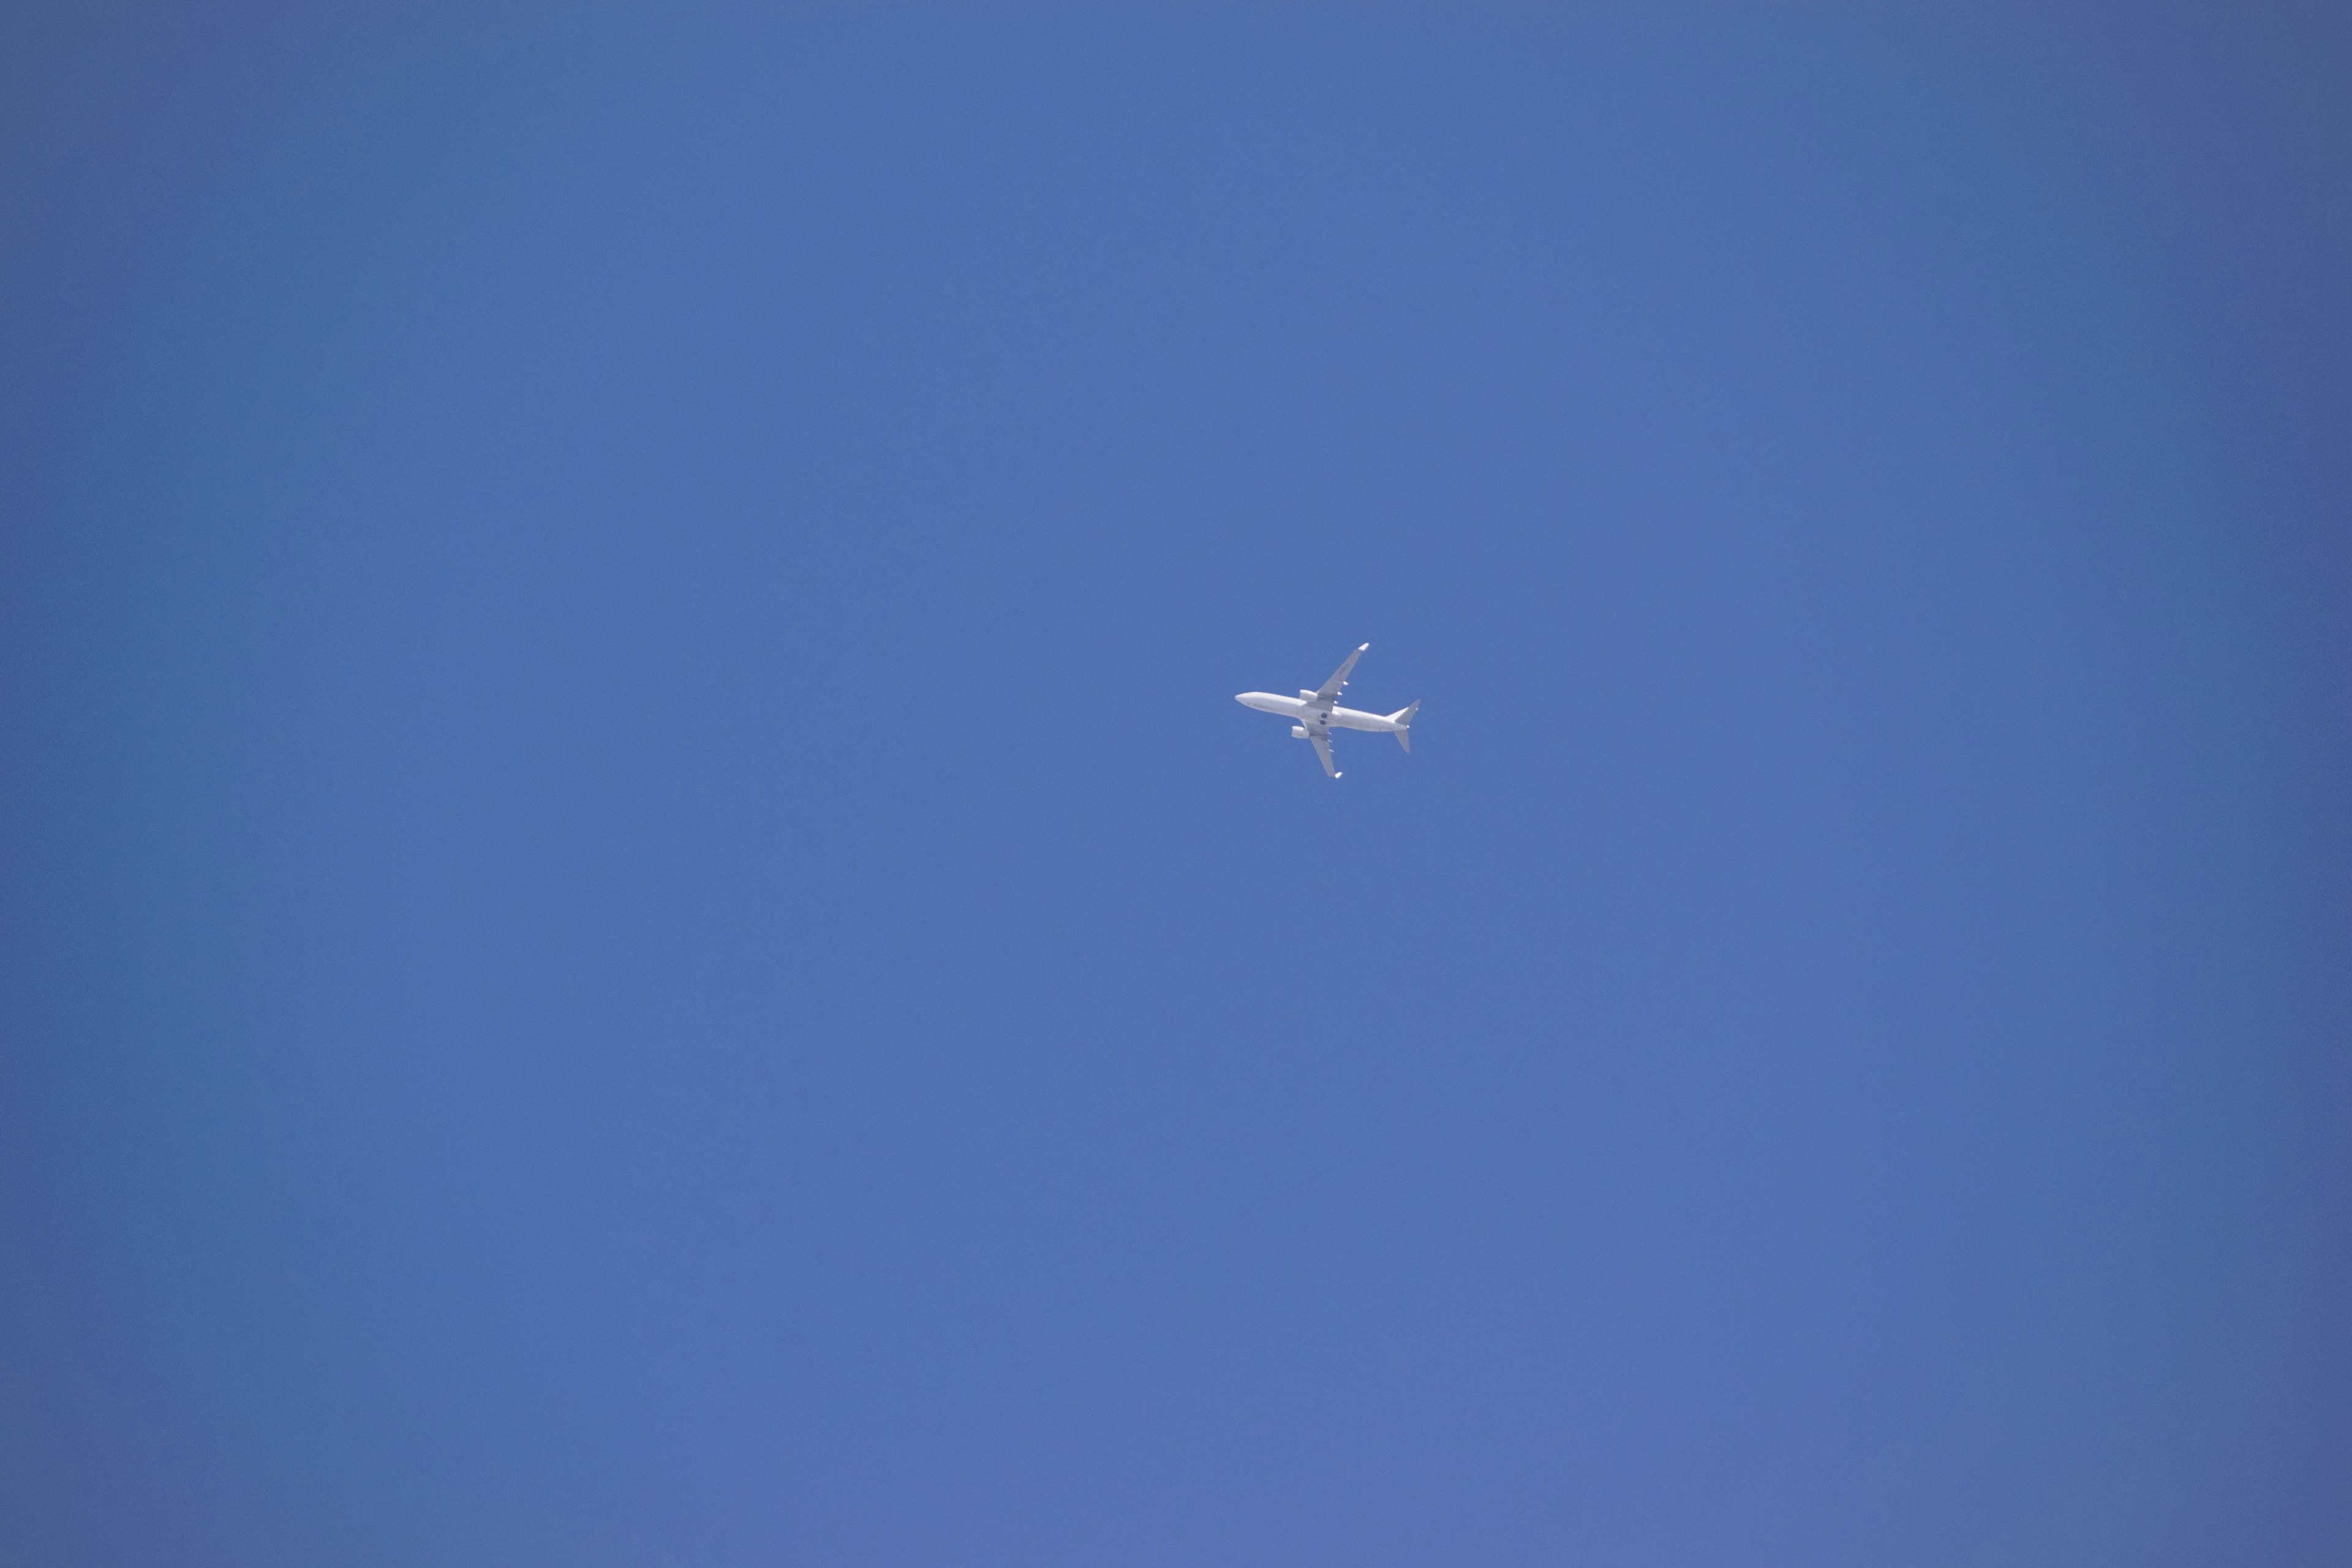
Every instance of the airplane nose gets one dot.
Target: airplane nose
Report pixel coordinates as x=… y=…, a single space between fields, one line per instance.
x=1242 y=697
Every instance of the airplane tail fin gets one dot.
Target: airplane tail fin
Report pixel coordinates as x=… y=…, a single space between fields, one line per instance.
x=1403 y=719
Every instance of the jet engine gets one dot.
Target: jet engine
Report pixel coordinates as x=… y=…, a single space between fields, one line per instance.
x=1298 y=731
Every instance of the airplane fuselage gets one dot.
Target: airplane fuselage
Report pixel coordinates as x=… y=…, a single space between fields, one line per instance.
x=1299 y=709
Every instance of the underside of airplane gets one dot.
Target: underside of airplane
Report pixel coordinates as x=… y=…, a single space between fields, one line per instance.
x=1314 y=714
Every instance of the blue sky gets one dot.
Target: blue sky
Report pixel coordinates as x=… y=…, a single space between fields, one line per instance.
x=640 y=928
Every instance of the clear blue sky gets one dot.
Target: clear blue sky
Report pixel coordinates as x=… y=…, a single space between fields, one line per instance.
x=640 y=928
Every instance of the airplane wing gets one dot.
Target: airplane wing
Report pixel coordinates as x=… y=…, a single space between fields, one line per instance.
x=1323 y=745
x=1329 y=690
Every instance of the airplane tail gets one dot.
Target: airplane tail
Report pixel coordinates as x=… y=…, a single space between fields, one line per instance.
x=1403 y=719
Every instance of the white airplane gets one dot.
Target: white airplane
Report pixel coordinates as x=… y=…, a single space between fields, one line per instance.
x=1314 y=712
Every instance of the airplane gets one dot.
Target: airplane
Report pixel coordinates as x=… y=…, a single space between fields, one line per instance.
x=1316 y=711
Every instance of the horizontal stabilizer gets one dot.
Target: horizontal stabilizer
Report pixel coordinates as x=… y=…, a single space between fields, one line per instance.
x=1403 y=719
